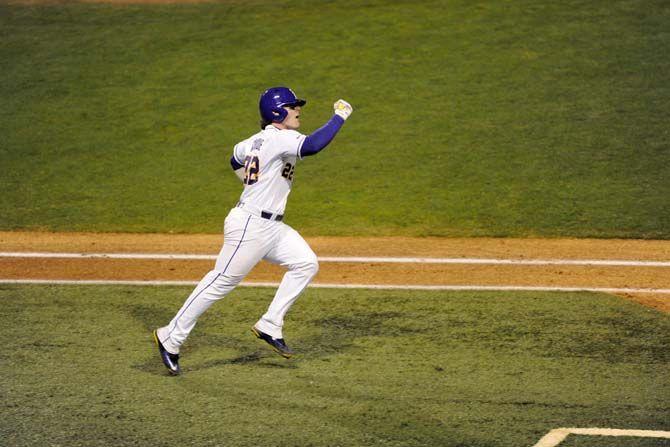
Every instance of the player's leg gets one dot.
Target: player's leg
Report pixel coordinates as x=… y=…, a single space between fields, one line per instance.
x=292 y=252
x=244 y=246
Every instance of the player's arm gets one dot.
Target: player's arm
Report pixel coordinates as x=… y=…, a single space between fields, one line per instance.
x=238 y=168
x=321 y=137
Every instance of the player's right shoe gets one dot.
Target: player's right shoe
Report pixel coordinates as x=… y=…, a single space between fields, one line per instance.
x=277 y=344
x=171 y=361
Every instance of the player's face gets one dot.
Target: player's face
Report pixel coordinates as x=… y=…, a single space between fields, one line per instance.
x=292 y=120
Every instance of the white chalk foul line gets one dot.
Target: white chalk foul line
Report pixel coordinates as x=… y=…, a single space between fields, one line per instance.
x=352 y=259
x=156 y=256
x=558 y=435
x=603 y=262
x=342 y=286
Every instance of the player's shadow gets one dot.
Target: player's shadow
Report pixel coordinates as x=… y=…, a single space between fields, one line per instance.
x=340 y=333
x=335 y=334
x=258 y=358
x=246 y=348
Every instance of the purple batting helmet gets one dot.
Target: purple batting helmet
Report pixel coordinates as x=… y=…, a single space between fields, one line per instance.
x=273 y=101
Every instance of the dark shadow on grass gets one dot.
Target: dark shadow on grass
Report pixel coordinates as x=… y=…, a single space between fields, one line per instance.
x=151 y=317
x=258 y=359
x=255 y=358
x=152 y=366
x=340 y=332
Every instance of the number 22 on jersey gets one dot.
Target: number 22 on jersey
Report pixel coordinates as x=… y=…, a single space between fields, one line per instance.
x=252 y=163
x=287 y=172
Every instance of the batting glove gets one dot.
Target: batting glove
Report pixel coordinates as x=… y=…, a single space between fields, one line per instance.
x=343 y=108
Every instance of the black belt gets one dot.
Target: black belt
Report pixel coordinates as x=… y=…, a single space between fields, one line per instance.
x=266 y=215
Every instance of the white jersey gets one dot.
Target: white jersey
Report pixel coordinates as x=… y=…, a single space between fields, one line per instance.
x=269 y=159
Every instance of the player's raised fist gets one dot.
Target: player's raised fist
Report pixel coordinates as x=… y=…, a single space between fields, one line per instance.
x=343 y=108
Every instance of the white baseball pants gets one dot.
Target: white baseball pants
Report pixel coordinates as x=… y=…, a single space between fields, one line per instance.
x=247 y=239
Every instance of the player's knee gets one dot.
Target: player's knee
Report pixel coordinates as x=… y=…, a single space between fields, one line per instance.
x=310 y=267
x=224 y=281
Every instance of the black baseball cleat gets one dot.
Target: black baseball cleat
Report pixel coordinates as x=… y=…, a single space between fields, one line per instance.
x=277 y=344
x=171 y=361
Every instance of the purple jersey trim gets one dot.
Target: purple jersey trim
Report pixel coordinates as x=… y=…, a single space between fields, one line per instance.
x=235 y=164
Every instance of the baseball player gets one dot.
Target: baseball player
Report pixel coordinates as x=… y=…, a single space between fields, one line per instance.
x=254 y=229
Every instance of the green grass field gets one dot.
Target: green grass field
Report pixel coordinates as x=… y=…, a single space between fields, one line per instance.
x=522 y=118
x=378 y=368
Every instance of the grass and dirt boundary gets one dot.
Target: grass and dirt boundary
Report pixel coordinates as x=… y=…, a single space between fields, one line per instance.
x=639 y=276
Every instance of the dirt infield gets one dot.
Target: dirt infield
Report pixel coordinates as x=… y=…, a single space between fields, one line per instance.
x=355 y=273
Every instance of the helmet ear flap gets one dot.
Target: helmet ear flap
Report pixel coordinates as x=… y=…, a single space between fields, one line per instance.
x=279 y=114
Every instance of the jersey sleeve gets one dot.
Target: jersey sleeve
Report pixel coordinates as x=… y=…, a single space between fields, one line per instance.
x=288 y=143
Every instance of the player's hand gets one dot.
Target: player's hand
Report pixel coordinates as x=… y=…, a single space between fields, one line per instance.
x=343 y=108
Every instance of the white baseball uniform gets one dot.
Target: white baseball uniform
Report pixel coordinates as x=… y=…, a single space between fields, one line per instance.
x=253 y=230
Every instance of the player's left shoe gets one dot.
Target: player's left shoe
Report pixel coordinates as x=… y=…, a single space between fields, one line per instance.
x=278 y=344
x=171 y=361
